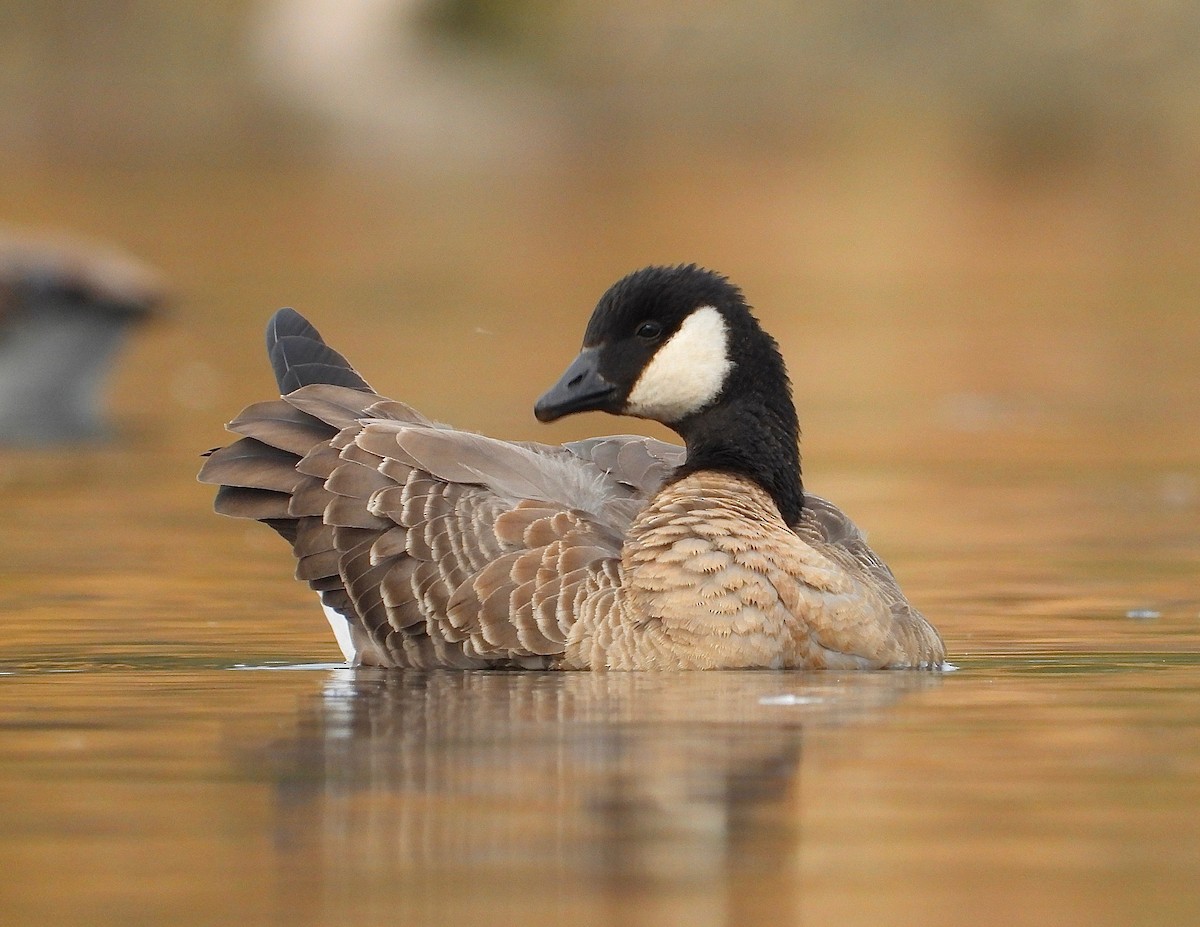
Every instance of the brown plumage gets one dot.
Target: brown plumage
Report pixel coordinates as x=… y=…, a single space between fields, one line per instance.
x=445 y=548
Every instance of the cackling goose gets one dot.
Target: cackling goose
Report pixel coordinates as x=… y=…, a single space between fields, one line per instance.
x=432 y=547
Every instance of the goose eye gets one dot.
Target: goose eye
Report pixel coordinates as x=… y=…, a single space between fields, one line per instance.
x=649 y=330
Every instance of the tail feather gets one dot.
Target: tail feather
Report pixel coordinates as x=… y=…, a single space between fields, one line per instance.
x=300 y=356
x=266 y=474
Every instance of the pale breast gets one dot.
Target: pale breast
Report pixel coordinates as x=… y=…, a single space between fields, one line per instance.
x=701 y=579
x=711 y=577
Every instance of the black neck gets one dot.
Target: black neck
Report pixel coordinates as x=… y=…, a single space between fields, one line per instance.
x=751 y=431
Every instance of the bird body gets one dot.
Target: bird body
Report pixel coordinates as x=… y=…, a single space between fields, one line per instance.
x=433 y=547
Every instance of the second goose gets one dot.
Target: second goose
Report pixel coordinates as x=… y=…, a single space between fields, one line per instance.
x=432 y=547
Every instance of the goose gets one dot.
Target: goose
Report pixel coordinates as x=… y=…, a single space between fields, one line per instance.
x=65 y=309
x=433 y=547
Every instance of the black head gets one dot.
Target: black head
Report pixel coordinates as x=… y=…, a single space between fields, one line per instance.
x=680 y=346
x=658 y=346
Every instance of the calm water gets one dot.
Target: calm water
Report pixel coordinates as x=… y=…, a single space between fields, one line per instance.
x=1023 y=448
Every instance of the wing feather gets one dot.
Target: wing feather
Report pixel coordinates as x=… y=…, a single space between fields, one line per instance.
x=251 y=464
x=279 y=424
x=241 y=502
x=441 y=547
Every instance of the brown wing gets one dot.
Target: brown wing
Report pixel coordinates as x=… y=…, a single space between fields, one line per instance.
x=442 y=548
x=826 y=527
x=823 y=522
x=640 y=463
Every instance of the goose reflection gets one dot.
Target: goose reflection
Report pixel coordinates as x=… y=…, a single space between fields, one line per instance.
x=633 y=797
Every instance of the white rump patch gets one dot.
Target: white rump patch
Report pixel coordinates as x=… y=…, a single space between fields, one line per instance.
x=791 y=698
x=688 y=371
x=341 y=630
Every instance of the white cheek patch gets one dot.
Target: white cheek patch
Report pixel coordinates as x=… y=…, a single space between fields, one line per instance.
x=688 y=371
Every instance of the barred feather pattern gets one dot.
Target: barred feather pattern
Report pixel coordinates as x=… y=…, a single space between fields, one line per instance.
x=442 y=548
x=711 y=577
x=448 y=549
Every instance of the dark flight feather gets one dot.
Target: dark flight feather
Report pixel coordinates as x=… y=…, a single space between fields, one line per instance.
x=300 y=356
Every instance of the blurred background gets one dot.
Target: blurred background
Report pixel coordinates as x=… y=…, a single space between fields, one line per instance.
x=894 y=167
x=972 y=227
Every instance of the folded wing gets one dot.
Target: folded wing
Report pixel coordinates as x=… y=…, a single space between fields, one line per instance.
x=439 y=547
